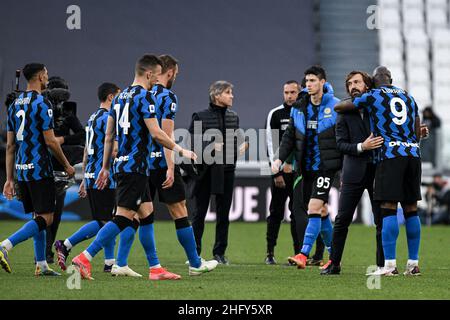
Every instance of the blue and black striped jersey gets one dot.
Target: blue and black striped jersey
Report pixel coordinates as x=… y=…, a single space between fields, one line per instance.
x=95 y=141
x=28 y=117
x=166 y=108
x=312 y=158
x=129 y=109
x=392 y=116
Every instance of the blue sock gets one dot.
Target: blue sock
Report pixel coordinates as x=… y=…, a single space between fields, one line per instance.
x=109 y=249
x=326 y=231
x=412 y=224
x=185 y=236
x=125 y=243
x=311 y=233
x=85 y=232
x=28 y=230
x=389 y=235
x=104 y=236
x=147 y=238
x=40 y=245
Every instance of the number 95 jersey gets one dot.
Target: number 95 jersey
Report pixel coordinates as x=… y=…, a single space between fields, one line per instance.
x=95 y=142
x=28 y=117
x=393 y=114
x=129 y=109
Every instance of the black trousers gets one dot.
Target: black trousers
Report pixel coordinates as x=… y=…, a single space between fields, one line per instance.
x=348 y=201
x=201 y=201
x=302 y=195
x=53 y=229
x=276 y=215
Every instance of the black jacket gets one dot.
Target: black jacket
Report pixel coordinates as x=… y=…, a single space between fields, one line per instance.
x=294 y=139
x=351 y=130
x=221 y=119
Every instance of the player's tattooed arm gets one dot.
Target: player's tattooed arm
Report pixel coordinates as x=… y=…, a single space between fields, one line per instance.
x=103 y=176
x=168 y=126
x=344 y=106
x=162 y=138
x=417 y=128
x=55 y=147
x=8 y=189
x=109 y=143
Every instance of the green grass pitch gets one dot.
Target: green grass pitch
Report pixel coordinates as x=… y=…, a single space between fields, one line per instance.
x=247 y=277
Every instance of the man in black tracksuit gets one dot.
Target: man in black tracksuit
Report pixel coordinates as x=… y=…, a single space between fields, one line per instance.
x=282 y=182
x=356 y=142
x=216 y=175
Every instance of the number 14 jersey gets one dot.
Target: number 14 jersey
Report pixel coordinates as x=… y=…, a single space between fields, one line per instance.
x=129 y=109
x=392 y=116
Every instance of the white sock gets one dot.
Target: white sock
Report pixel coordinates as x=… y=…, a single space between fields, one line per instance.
x=68 y=244
x=110 y=262
x=390 y=263
x=155 y=266
x=413 y=263
x=7 y=245
x=87 y=255
x=42 y=264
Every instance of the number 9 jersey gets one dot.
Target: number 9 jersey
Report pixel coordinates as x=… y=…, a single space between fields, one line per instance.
x=393 y=114
x=129 y=109
x=28 y=117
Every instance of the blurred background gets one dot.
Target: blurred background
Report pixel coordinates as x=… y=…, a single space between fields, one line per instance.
x=255 y=44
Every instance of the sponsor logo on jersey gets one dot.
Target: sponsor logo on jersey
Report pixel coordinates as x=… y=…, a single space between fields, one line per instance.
x=404 y=144
x=24 y=166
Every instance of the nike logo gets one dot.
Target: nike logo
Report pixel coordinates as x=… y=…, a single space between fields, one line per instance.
x=319 y=193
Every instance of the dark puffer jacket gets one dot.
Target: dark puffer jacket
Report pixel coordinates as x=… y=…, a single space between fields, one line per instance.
x=294 y=139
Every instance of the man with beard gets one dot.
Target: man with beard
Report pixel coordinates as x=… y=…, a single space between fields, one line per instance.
x=358 y=145
x=29 y=136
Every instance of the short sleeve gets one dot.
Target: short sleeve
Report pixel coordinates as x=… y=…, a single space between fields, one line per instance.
x=361 y=101
x=46 y=114
x=10 y=123
x=148 y=106
x=170 y=107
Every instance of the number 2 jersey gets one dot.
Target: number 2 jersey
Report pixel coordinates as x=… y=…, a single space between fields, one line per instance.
x=28 y=117
x=393 y=114
x=95 y=142
x=129 y=109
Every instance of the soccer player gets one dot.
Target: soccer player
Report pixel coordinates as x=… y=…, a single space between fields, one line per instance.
x=102 y=202
x=133 y=119
x=394 y=116
x=283 y=182
x=165 y=177
x=30 y=133
x=311 y=133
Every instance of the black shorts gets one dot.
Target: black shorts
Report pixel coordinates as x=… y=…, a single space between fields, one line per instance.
x=103 y=203
x=131 y=190
x=174 y=194
x=318 y=184
x=398 y=180
x=38 y=196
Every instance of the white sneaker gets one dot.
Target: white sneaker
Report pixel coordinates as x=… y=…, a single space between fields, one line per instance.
x=412 y=270
x=187 y=261
x=206 y=266
x=386 y=271
x=375 y=273
x=123 y=271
